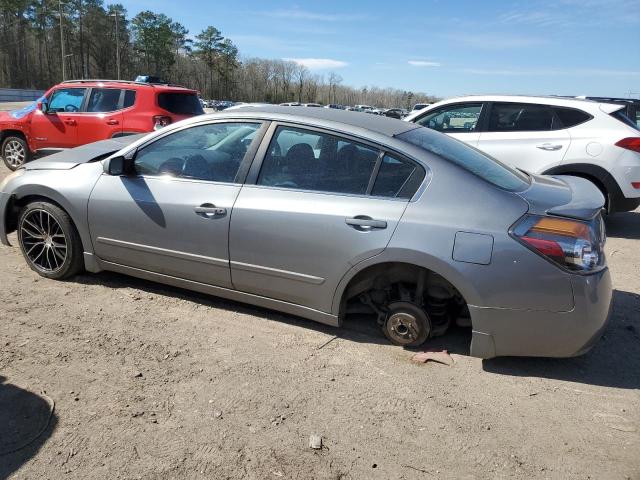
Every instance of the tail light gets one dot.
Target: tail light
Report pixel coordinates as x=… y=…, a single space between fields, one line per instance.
x=572 y=244
x=160 y=121
x=630 y=143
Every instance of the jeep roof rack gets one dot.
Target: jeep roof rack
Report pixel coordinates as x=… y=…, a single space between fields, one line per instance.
x=128 y=82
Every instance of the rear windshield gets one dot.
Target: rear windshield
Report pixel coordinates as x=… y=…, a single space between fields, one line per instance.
x=621 y=116
x=467 y=157
x=180 y=103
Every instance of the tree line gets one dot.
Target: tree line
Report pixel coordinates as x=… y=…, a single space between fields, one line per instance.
x=42 y=40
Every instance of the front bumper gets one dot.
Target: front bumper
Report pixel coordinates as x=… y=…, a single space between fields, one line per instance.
x=4 y=202
x=538 y=333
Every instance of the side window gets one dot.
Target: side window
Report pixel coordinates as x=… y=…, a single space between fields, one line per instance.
x=103 y=100
x=308 y=160
x=66 y=100
x=397 y=178
x=210 y=152
x=570 y=117
x=129 y=98
x=520 y=117
x=453 y=118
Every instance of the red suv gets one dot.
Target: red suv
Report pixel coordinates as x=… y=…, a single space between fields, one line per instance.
x=76 y=112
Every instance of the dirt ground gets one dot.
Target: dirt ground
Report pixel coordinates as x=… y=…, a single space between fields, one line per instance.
x=158 y=383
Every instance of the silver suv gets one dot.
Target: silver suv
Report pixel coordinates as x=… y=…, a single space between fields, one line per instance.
x=319 y=213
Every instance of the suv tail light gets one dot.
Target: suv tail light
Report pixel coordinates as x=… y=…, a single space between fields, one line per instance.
x=572 y=244
x=160 y=121
x=630 y=143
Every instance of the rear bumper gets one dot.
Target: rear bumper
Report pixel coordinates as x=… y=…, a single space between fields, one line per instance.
x=505 y=332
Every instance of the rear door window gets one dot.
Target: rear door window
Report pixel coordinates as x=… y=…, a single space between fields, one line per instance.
x=104 y=100
x=67 y=100
x=309 y=160
x=520 y=117
x=453 y=118
x=570 y=117
x=129 y=98
x=180 y=103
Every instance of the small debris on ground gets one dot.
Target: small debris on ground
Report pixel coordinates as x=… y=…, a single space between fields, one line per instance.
x=315 y=442
x=438 y=357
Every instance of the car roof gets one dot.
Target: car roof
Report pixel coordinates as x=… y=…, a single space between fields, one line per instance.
x=375 y=123
x=547 y=100
x=124 y=83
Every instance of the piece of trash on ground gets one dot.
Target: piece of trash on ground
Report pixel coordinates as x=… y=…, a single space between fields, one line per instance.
x=438 y=357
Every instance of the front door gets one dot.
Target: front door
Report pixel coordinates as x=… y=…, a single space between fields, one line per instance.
x=314 y=211
x=172 y=216
x=524 y=135
x=58 y=126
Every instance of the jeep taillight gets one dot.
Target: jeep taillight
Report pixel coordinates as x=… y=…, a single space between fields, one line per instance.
x=572 y=244
x=160 y=121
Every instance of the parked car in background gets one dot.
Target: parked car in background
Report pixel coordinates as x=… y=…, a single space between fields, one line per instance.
x=549 y=135
x=335 y=105
x=291 y=104
x=312 y=105
x=76 y=112
x=420 y=106
x=394 y=113
x=321 y=213
x=362 y=108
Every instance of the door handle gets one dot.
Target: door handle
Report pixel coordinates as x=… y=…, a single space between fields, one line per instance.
x=364 y=223
x=70 y=121
x=549 y=147
x=112 y=122
x=209 y=210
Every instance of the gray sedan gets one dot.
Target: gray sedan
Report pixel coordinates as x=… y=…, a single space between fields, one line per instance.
x=320 y=213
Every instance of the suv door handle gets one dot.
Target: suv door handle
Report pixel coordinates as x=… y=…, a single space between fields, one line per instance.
x=549 y=147
x=364 y=223
x=112 y=121
x=209 y=210
x=70 y=121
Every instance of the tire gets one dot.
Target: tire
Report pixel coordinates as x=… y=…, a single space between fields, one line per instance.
x=402 y=315
x=49 y=241
x=15 y=152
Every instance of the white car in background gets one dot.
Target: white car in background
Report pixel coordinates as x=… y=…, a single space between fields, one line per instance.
x=549 y=135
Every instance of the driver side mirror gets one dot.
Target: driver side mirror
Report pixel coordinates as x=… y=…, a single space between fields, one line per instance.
x=43 y=106
x=118 y=166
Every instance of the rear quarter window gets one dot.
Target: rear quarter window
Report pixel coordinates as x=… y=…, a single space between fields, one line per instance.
x=180 y=103
x=570 y=117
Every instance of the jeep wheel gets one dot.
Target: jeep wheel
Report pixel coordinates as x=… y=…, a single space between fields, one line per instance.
x=15 y=152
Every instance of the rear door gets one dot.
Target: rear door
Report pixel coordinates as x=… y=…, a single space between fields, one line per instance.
x=316 y=205
x=172 y=215
x=526 y=135
x=459 y=120
x=58 y=126
x=103 y=115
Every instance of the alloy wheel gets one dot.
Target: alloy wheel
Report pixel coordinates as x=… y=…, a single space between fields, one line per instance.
x=14 y=153
x=43 y=241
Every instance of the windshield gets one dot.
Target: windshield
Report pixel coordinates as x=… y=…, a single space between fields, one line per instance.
x=467 y=157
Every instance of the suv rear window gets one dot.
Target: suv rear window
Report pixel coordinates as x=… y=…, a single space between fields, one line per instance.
x=570 y=117
x=469 y=158
x=180 y=103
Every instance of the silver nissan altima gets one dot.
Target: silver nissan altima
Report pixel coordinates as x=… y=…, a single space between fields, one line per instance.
x=320 y=213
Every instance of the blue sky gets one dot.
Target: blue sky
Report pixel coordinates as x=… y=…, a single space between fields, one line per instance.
x=444 y=48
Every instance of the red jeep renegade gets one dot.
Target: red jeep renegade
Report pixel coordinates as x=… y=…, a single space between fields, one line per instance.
x=76 y=112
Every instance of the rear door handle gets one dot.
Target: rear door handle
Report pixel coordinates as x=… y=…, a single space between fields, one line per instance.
x=549 y=147
x=363 y=222
x=209 y=210
x=112 y=122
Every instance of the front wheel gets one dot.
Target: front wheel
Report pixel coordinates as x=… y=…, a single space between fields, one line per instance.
x=15 y=152
x=49 y=241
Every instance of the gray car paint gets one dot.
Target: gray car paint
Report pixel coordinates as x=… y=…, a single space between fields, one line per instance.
x=281 y=257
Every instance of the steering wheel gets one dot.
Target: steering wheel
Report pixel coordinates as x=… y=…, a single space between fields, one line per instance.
x=70 y=108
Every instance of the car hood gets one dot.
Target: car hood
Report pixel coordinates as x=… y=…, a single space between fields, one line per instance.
x=563 y=195
x=86 y=153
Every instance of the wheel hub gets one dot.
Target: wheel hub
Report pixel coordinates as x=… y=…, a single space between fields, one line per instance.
x=404 y=327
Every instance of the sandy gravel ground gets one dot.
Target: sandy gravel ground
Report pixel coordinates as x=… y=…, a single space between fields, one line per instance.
x=158 y=383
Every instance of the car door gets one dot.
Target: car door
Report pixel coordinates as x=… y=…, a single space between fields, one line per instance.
x=172 y=215
x=312 y=209
x=102 y=117
x=57 y=126
x=525 y=135
x=459 y=120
